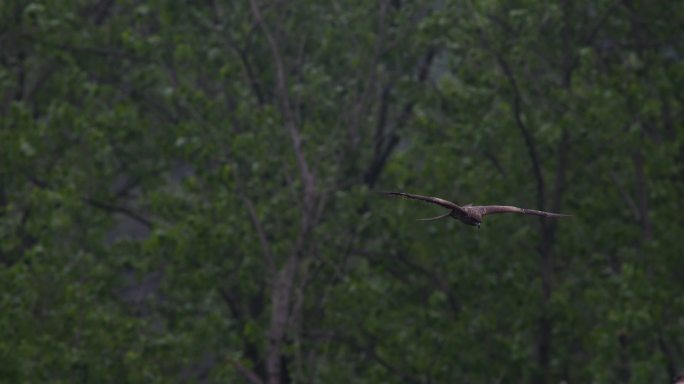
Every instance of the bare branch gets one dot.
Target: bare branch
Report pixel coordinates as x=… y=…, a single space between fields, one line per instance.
x=593 y=32
x=42 y=78
x=102 y=10
x=625 y=194
x=384 y=142
x=436 y=280
x=284 y=279
x=119 y=209
x=286 y=109
x=109 y=207
x=371 y=78
x=246 y=372
x=560 y=178
x=667 y=354
x=92 y=50
x=251 y=76
x=642 y=197
x=231 y=302
x=254 y=217
x=370 y=350
x=524 y=130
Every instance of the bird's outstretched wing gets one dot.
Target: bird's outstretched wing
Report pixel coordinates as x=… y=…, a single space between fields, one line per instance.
x=491 y=209
x=436 y=217
x=429 y=199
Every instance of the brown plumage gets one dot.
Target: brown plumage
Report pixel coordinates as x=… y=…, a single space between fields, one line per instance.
x=471 y=214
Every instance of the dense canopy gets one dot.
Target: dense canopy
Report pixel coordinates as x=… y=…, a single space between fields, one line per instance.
x=188 y=191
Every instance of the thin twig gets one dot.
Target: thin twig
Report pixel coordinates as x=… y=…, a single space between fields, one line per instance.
x=625 y=194
x=254 y=217
x=524 y=130
x=285 y=107
x=110 y=207
x=119 y=209
x=246 y=372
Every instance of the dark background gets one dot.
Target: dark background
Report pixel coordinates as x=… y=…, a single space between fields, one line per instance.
x=188 y=191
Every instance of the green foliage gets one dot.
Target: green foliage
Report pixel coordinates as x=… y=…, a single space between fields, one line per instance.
x=153 y=197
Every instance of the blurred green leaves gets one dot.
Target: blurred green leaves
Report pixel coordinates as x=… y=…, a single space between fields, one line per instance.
x=134 y=137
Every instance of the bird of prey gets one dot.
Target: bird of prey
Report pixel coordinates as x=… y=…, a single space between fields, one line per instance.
x=471 y=214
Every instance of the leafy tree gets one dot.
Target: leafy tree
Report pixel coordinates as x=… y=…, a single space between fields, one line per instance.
x=187 y=191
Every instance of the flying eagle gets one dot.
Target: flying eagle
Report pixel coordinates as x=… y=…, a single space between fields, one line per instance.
x=471 y=214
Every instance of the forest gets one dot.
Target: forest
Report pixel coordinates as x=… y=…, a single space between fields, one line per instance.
x=191 y=191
